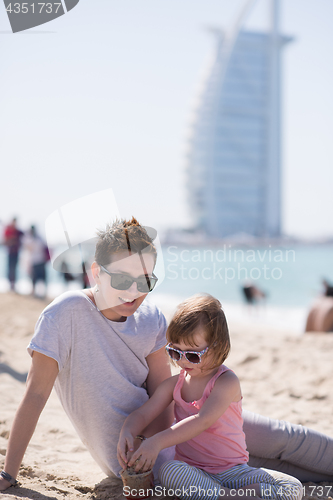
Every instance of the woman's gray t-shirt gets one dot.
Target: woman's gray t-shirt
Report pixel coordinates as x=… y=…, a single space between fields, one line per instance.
x=100 y=379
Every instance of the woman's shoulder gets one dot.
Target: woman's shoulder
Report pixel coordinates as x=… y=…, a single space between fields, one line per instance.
x=149 y=312
x=66 y=302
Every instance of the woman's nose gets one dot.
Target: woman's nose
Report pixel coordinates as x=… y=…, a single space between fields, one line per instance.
x=132 y=288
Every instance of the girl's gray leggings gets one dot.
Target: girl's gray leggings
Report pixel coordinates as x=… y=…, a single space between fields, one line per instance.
x=189 y=483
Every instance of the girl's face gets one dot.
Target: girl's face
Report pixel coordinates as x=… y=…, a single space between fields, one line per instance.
x=122 y=303
x=199 y=369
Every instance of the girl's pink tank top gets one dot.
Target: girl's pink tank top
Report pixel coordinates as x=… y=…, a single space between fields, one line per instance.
x=219 y=447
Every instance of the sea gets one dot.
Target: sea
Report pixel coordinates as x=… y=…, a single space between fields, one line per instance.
x=290 y=276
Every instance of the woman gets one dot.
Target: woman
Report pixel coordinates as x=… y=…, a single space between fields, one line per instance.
x=103 y=350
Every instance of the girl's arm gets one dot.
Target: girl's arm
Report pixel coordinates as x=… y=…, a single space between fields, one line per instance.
x=42 y=375
x=226 y=390
x=138 y=420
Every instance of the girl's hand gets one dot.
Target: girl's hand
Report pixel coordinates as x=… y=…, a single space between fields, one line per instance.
x=125 y=448
x=145 y=456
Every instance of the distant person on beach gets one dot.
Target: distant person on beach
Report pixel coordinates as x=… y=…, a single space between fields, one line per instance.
x=13 y=241
x=208 y=434
x=320 y=316
x=67 y=276
x=1 y=232
x=85 y=279
x=328 y=288
x=38 y=256
x=252 y=293
x=103 y=349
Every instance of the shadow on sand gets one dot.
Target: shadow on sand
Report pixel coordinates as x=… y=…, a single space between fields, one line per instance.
x=21 y=377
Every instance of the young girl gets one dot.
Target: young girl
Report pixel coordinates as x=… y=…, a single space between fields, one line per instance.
x=211 y=456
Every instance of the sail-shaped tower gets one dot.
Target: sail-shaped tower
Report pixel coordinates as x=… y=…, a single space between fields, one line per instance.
x=233 y=163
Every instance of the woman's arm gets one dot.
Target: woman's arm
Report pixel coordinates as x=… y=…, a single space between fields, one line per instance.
x=42 y=375
x=159 y=370
x=226 y=390
x=143 y=416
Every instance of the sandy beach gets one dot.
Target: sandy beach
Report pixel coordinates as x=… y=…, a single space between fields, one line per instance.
x=283 y=376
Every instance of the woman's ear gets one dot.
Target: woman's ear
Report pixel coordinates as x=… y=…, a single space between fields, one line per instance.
x=95 y=269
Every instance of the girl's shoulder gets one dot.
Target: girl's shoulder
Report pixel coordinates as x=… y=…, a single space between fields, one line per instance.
x=221 y=380
x=221 y=374
x=227 y=382
x=169 y=384
x=226 y=376
x=173 y=380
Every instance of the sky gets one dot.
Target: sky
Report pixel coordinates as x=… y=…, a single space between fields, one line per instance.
x=101 y=98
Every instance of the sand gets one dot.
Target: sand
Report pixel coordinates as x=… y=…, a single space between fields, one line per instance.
x=283 y=375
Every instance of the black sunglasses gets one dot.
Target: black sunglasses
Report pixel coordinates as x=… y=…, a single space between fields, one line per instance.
x=124 y=281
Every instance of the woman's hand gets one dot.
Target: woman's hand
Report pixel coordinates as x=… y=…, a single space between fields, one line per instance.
x=145 y=456
x=4 y=484
x=42 y=374
x=125 y=448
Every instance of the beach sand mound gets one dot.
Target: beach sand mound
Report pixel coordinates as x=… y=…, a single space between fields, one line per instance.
x=282 y=376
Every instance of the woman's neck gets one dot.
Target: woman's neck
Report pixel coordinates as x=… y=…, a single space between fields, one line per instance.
x=108 y=313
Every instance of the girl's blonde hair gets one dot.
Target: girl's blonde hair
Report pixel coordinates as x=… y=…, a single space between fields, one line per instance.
x=201 y=311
